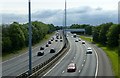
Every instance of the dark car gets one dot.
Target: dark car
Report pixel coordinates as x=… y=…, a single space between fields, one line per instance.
x=47 y=45
x=40 y=53
x=56 y=40
x=57 y=37
x=41 y=48
x=71 y=67
x=49 y=42
x=60 y=37
x=52 y=50
x=61 y=40
x=52 y=39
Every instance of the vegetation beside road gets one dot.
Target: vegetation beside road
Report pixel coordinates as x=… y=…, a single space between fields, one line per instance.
x=111 y=53
x=15 y=36
x=19 y=52
x=106 y=36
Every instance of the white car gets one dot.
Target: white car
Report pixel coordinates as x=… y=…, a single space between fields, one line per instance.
x=83 y=42
x=89 y=50
x=71 y=67
x=76 y=40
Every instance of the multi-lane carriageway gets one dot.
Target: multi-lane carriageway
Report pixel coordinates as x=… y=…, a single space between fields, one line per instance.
x=95 y=64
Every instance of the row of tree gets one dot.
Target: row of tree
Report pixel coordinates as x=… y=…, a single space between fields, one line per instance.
x=15 y=36
x=107 y=34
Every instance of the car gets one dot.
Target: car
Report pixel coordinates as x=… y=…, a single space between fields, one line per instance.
x=83 y=42
x=40 y=53
x=57 y=37
x=61 y=40
x=47 y=45
x=49 y=42
x=51 y=39
x=79 y=39
x=52 y=50
x=76 y=40
x=41 y=48
x=89 y=50
x=60 y=37
x=74 y=35
x=71 y=67
x=56 y=40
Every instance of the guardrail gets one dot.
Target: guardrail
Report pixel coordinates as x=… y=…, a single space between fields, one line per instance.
x=40 y=69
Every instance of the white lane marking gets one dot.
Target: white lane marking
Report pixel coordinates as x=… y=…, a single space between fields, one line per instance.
x=96 y=72
x=56 y=64
x=20 y=55
x=84 y=60
x=63 y=71
x=82 y=65
x=79 y=71
x=72 y=61
x=74 y=57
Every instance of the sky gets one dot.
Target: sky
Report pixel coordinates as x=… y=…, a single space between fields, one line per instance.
x=93 y=12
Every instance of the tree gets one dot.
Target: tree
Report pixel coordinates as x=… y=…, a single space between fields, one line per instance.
x=16 y=36
x=95 y=33
x=88 y=30
x=113 y=35
x=6 y=44
x=103 y=32
x=51 y=28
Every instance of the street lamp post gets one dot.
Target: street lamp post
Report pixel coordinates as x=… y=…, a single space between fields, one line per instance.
x=30 y=38
x=65 y=26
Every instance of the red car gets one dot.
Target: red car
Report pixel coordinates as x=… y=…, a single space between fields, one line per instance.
x=71 y=67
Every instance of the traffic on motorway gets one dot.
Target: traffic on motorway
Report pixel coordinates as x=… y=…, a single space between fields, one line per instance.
x=80 y=60
x=40 y=54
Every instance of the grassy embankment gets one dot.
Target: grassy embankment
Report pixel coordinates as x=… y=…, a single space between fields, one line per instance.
x=14 y=54
x=111 y=53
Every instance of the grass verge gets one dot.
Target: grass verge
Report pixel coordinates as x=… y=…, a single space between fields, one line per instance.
x=24 y=50
x=111 y=53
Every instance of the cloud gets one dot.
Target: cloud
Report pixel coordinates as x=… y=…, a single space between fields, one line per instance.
x=80 y=15
x=9 y=18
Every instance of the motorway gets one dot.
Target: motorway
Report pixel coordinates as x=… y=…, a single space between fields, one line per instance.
x=95 y=64
x=18 y=65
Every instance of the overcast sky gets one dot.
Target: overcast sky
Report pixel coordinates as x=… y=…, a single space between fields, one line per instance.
x=51 y=11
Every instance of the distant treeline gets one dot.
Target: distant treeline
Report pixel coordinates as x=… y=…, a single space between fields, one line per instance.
x=107 y=34
x=15 y=36
x=87 y=27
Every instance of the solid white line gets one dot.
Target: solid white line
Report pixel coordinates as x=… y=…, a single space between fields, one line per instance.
x=19 y=55
x=82 y=64
x=55 y=65
x=72 y=61
x=97 y=63
x=79 y=71
x=96 y=72
x=63 y=71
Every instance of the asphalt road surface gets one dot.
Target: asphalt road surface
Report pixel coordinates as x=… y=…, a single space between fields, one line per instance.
x=18 y=65
x=89 y=65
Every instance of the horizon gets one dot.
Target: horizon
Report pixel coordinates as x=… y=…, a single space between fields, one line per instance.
x=52 y=12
